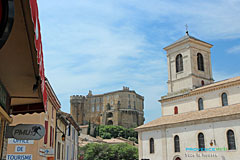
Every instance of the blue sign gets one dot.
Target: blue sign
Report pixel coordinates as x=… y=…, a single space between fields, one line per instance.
x=15 y=141
x=19 y=157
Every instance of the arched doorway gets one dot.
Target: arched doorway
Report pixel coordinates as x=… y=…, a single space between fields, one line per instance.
x=110 y=122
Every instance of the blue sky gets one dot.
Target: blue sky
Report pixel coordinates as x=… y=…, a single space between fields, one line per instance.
x=104 y=45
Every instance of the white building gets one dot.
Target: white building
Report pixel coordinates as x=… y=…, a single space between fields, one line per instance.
x=200 y=119
x=71 y=138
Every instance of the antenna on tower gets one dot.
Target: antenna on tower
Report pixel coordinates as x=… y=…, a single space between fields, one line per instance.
x=186 y=29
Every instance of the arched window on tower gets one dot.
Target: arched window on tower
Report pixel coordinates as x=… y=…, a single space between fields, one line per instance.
x=224 y=99
x=175 y=110
x=151 y=145
x=231 y=140
x=200 y=104
x=201 y=143
x=179 y=63
x=176 y=144
x=200 y=62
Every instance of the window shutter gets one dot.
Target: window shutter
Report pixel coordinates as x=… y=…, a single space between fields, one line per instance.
x=46 y=132
x=50 y=136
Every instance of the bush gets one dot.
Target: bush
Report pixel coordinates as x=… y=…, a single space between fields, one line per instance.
x=110 y=131
x=96 y=151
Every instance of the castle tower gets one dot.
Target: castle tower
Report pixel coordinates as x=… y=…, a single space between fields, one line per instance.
x=189 y=64
x=77 y=108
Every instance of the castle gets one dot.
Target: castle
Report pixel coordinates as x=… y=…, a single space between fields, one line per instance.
x=122 y=107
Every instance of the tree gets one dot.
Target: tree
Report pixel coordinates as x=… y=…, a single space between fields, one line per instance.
x=89 y=128
x=96 y=151
x=111 y=131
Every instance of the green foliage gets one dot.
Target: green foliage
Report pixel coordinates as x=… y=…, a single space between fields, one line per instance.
x=110 y=131
x=96 y=151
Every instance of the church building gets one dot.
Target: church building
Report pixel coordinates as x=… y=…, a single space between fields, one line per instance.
x=200 y=118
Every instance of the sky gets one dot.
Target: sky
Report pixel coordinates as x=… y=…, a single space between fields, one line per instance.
x=103 y=45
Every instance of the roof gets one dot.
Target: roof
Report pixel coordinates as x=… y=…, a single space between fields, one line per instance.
x=205 y=88
x=70 y=119
x=192 y=116
x=187 y=37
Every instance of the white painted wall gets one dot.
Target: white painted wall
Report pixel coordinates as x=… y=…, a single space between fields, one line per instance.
x=210 y=100
x=188 y=138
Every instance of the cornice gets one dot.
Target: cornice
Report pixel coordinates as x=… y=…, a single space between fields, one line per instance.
x=201 y=91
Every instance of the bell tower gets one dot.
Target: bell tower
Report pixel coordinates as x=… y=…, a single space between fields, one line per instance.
x=189 y=64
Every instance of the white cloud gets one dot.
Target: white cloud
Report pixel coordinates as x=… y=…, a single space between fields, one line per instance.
x=101 y=46
x=234 y=49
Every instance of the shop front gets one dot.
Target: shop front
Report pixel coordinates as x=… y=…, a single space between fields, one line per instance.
x=22 y=79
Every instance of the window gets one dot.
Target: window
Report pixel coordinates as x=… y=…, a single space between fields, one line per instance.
x=73 y=133
x=93 y=108
x=231 y=140
x=109 y=115
x=179 y=63
x=202 y=82
x=98 y=108
x=151 y=142
x=62 y=151
x=67 y=151
x=50 y=136
x=129 y=104
x=176 y=144
x=52 y=111
x=73 y=149
x=200 y=104
x=200 y=62
x=175 y=110
x=46 y=132
x=69 y=130
x=201 y=144
x=58 y=151
x=224 y=99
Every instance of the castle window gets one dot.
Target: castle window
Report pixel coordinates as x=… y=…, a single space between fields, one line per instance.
x=98 y=108
x=179 y=63
x=109 y=115
x=231 y=140
x=176 y=144
x=93 y=108
x=201 y=143
x=151 y=145
x=175 y=110
x=202 y=82
x=200 y=104
x=224 y=99
x=129 y=104
x=200 y=62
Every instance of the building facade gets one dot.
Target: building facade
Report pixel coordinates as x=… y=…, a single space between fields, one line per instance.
x=123 y=107
x=22 y=79
x=44 y=148
x=71 y=137
x=200 y=118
